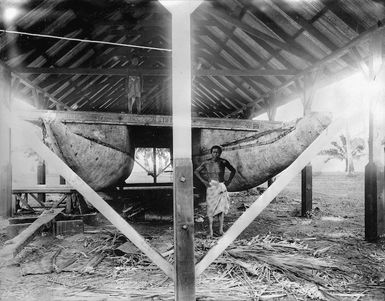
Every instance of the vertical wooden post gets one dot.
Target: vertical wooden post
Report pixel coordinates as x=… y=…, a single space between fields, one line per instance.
x=307 y=190
x=183 y=173
x=5 y=144
x=154 y=163
x=41 y=179
x=307 y=172
x=62 y=181
x=374 y=170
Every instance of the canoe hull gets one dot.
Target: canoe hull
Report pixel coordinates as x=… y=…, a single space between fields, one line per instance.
x=102 y=155
x=262 y=157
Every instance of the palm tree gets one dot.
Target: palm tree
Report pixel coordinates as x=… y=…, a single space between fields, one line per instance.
x=347 y=150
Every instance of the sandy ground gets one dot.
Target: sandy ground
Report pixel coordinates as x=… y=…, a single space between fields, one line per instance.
x=280 y=256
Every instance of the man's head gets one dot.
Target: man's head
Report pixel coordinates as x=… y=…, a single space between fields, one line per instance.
x=216 y=151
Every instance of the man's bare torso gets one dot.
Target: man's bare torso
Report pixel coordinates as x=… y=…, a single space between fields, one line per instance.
x=215 y=169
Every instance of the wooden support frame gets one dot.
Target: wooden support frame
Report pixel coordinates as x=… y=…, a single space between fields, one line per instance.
x=5 y=144
x=54 y=162
x=143 y=120
x=30 y=85
x=374 y=170
x=41 y=180
x=306 y=190
x=182 y=156
x=309 y=90
x=256 y=208
x=15 y=245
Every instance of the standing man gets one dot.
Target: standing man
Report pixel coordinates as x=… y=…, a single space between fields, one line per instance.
x=217 y=198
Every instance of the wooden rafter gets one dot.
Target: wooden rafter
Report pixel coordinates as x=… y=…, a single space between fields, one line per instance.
x=32 y=86
x=223 y=14
x=335 y=7
x=156 y=72
x=264 y=63
x=321 y=63
x=274 y=52
x=223 y=62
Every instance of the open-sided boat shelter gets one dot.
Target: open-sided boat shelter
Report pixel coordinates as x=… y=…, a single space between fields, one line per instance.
x=180 y=65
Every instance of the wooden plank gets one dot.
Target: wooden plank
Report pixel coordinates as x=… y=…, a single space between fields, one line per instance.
x=15 y=245
x=42 y=189
x=54 y=162
x=144 y=120
x=41 y=178
x=5 y=145
x=306 y=190
x=184 y=229
x=271 y=192
x=148 y=187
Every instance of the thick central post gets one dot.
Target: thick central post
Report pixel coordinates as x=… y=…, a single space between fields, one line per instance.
x=183 y=173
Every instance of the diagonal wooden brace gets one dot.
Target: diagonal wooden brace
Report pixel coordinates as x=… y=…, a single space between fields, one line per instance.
x=271 y=192
x=54 y=162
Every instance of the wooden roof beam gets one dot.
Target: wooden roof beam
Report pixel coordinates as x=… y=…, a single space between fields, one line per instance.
x=220 y=60
x=275 y=53
x=335 y=8
x=32 y=86
x=270 y=23
x=223 y=14
x=262 y=61
x=321 y=63
x=156 y=72
x=307 y=26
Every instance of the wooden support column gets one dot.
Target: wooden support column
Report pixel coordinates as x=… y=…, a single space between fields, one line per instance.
x=41 y=179
x=183 y=173
x=374 y=170
x=5 y=144
x=154 y=164
x=306 y=190
x=62 y=181
x=307 y=172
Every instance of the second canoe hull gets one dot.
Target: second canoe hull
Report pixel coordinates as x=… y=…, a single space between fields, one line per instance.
x=262 y=157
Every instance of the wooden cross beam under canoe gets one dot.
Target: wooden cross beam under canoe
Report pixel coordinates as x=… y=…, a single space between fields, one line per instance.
x=143 y=120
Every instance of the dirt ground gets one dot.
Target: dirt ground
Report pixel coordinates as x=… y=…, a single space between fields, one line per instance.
x=280 y=256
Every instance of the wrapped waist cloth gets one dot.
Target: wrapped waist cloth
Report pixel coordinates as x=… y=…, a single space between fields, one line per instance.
x=217 y=199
